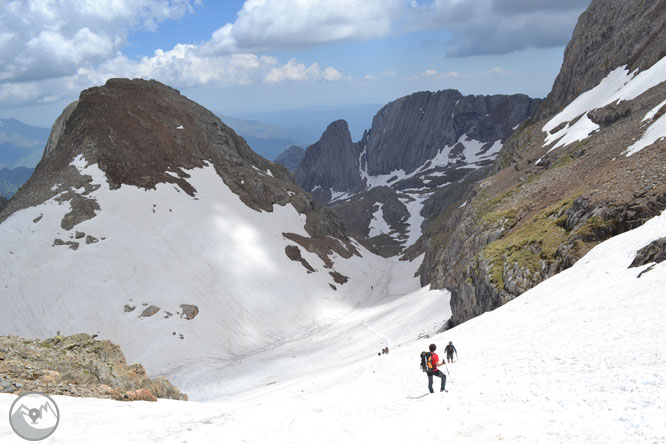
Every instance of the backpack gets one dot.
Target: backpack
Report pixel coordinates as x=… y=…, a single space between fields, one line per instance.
x=426 y=361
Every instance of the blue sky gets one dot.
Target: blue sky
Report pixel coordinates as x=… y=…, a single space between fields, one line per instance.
x=235 y=57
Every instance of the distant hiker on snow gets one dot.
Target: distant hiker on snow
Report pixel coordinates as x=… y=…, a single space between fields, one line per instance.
x=429 y=364
x=449 y=352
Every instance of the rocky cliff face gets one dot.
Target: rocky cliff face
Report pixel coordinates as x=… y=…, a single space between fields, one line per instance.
x=591 y=169
x=291 y=158
x=385 y=185
x=609 y=34
x=3 y=203
x=410 y=131
x=331 y=164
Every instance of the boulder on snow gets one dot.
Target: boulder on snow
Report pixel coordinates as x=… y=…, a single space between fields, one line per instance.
x=654 y=252
x=149 y=311
x=189 y=311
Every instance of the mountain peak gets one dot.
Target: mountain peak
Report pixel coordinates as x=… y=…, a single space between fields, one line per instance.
x=142 y=133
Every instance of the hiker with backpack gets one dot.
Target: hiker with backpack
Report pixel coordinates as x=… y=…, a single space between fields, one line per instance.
x=429 y=364
x=449 y=352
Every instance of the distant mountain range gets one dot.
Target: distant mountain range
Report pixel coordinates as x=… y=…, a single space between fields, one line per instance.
x=21 y=148
x=21 y=145
x=271 y=133
x=12 y=178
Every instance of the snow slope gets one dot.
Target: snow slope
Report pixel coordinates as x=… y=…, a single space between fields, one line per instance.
x=164 y=248
x=581 y=358
x=619 y=85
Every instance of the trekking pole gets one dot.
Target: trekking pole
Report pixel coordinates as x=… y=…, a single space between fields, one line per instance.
x=447 y=371
x=451 y=378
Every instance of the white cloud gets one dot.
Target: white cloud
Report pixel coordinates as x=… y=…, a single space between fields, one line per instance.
x=295 y=72
x=44 y=39
x=50 y=51
x=182 y=66
x=436 y=75
x=265 y=24
x=186 y=65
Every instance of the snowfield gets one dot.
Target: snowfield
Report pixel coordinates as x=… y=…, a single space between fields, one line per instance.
x=581 y=358
x=165 y=248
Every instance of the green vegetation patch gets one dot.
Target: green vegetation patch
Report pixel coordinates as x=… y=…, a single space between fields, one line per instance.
x=536 y=240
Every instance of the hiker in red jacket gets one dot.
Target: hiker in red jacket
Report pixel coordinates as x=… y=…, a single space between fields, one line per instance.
x=435 y=371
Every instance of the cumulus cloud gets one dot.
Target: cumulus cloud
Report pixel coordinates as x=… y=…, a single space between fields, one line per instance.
x=45 y=39
x=293 y=71
x=185 y=65
x=267 y=24
x=52 y=50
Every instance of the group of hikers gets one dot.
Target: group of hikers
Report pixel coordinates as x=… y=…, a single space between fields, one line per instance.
x=430 y=363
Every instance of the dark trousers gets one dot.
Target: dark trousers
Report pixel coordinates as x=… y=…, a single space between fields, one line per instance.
x=439 y=374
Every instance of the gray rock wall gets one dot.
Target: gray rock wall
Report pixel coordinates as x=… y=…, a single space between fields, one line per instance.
x=332 y=162
x=609 y=34
x=405 y=134
x=413 y=129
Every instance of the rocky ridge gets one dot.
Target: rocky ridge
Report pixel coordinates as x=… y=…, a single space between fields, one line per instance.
x=77 y=365
x=142 y=133
x=418 y=145
x=332 y=163
x=545 y=207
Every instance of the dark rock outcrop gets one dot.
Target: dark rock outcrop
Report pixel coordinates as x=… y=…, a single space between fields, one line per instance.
x=294 y=253
x=291 y=158
x=655 y=252
x=3 y=203
x=330 y=164
x=407 y=132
